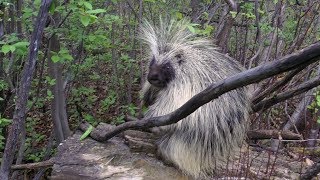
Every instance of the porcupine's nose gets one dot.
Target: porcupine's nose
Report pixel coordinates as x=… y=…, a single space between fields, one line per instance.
x=154 y=78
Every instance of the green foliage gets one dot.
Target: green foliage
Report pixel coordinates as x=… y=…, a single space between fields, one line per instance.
x=315 y=105
x=3 y=85
x=50 y=81
x=33 y=138
x=4 y=122
x=90 y=119
x=247 y=11
x=87 y=15
x=108 y=101
x=61 y=56
x=12 y=44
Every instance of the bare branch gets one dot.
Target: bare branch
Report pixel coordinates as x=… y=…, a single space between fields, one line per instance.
x=277 y=85
x=275 y=134
x=265 y=104
x=36 y=165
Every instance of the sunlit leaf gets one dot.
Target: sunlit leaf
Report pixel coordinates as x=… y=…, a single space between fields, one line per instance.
x=191 y=29
x=52 y=7
x=5 y=48
x=87 y=5
x=87 y=133
x=85 y=20
x=21 y=44
x=67 y=57
x=233 y=14
x=96 y=11
x=55 y=58
x=12 y=48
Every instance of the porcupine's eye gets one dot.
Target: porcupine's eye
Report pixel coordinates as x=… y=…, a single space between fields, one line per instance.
x=180 y=60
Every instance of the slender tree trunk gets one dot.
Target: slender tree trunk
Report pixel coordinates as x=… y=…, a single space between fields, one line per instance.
x=58 y=105
x=2 y=103
x=23 y=91
x=194 y=5
x=226 y=24
x=19 y=17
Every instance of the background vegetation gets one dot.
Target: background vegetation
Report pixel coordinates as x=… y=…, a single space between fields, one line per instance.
x=90 y=64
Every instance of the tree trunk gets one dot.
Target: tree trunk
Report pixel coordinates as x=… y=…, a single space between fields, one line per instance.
x=58 y=104
x=23 y=91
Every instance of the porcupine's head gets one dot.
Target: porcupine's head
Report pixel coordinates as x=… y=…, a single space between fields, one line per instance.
x=173 y=52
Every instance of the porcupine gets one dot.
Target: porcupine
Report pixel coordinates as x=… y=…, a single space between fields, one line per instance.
x=182 y=64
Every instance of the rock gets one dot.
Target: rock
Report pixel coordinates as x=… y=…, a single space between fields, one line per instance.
x=89 y=159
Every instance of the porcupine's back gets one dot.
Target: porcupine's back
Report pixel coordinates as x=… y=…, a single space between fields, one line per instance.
x=200 y=143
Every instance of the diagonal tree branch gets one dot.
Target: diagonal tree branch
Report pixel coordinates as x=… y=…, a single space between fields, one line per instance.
x=300 y=58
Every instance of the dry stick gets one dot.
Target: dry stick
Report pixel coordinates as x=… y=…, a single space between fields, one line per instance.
x=265 y=104
x=303 y=57
x=36 y=165
x=277 y=85
x=268 y=134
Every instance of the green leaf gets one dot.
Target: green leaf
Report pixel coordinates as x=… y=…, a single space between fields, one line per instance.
x=21 y=44
x=64 y=51
x=55 y=58
x=52 y=7
x=93 y=18
x=191 y=29
x=179 y=15
x=50 y=81
x=1 y=99
x=4 y=122
x=318 y=120
x=96 y=11
x=85 y=20
x=260 y=11
x=5 y=48
x=12 y=48
x=87 y=5
x=87 y=133
x=67 y=57
x=49 y=93
x=233 y=14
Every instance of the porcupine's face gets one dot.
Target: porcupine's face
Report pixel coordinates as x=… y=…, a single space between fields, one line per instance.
x=162 y=71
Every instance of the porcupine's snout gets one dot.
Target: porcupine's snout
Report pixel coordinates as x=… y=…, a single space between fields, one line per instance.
x=160 y=74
